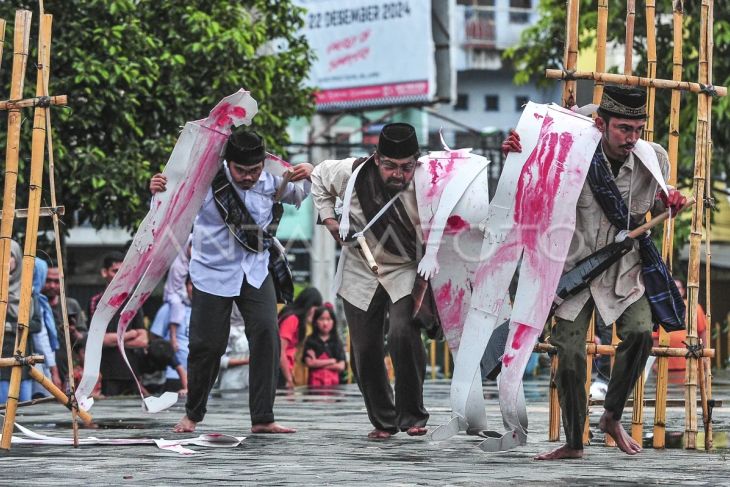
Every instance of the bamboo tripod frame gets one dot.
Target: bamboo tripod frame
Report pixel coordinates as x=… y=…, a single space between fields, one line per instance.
x=698 y=371
x=41 y=133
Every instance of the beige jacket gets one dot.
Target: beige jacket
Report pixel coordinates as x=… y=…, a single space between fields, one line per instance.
x=622 y=284
x=396 y=273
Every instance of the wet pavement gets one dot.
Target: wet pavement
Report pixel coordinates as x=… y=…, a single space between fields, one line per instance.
x=331 y=448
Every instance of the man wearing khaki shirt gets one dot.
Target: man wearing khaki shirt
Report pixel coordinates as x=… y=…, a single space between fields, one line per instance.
x=394 y=237
x=622 y=180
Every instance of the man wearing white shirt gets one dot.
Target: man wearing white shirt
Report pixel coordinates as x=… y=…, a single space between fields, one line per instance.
x=230 y=263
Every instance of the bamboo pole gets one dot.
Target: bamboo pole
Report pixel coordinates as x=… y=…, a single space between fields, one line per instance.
x=705 y=365
x=21 y=39
x=590 y=340
x=432 y=353
x=60 y=396
x=554 y=404
x=593 y=349
x=614 y=343
x=622 y=79
x=61 y=274
x=570 y=59
x=447 y=360
x=651 y=67
x=601 y=35
x=695 y=239
x=660 y=408
x=31 y=229
x=44 y=101
x=629 y=42
x=29 y=360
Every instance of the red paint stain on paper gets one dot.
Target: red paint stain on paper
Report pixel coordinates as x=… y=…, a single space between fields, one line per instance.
x=520 y=334
x=118 y=299
x=455 y=225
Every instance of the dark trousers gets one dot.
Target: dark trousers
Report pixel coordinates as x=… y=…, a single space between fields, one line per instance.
x=634 y=328
x=210 y=325
x=368 y=362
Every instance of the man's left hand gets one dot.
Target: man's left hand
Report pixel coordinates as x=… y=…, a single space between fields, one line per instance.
x=675 y=202
x=301 y=171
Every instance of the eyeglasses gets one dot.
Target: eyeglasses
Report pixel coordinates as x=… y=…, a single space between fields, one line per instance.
x=393 y=166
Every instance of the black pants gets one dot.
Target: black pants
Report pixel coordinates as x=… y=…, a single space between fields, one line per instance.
x=569 y=337
x=409 y=361
x=210 y=325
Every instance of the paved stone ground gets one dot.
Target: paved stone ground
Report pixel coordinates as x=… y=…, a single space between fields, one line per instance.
x=331 y=448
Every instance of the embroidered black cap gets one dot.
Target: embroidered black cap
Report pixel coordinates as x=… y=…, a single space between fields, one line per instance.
x=623 y=102
x=398 y=140
x=245 y=147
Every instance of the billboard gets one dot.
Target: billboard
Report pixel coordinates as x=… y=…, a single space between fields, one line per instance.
x=370 y=53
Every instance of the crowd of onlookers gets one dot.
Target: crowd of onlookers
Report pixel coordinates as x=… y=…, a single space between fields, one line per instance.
x=157 y=348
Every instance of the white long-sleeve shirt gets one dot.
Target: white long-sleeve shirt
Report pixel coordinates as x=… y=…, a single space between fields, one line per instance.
x=218 y=262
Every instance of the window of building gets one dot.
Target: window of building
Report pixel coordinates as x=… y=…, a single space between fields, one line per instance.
x=462 y=102
x=520 y=102
x=476 y=3
x=491 y=103
x=519 y=11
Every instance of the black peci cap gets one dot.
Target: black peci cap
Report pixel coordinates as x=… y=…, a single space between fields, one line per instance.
x=623 y=102
x=245 y=147
x=398 y=140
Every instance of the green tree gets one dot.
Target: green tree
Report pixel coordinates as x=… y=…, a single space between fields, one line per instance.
x=541 y=47
x=136 y=71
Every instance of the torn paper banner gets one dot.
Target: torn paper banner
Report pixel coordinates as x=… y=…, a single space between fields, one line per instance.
x=211 y=440
x=190 y=170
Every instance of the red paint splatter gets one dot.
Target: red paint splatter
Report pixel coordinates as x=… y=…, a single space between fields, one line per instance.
x=539 y=181
x=455 y=225
x=239 y=112
x=507 y=359
x=118 y=299
x=434 y=166
x=443 y=295
x=520 y=333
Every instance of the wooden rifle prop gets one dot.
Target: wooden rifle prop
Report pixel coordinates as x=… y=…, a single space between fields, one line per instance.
x=572 y=283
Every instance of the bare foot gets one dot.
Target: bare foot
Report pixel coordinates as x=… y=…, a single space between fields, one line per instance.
x=416 y=431
x=271 y=428
x=613 y=427
x=377 y=434
x=185 y=425
x=559 y=453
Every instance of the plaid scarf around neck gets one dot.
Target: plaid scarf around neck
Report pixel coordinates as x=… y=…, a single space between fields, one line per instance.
x=667 y=306
x=394 y=230
x=251 y=236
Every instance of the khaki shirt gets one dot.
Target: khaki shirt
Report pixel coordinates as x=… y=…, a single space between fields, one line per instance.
x=396 y=273
x=621 y=284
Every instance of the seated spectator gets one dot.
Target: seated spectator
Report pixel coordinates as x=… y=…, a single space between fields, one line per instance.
x=45 y=341
x=293 y=322
x=323 y=350
x=116 y=379
x=160 y=357
x=76 y=322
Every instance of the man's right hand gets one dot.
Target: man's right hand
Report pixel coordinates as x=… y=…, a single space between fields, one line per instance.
x=333 y=226
x=511 y=143
x=158 y=183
